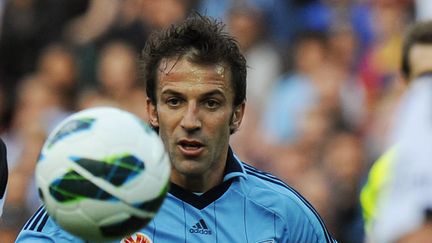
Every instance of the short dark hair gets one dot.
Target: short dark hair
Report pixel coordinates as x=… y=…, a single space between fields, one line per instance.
x=204 y=41
x=418 y=33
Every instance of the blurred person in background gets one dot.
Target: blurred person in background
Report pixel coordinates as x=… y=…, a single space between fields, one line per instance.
x=314 y=129
x=323 y=15
x=24 y=138
x=296 y=92
x=280 y=16
x=44 y=98
x=57 y=67
x=118 y=81
x=378 y=175
x=327 y=126
x=28 y=26
x=128 y=26
x=423 y=10
x=100 y=23
x=97 y=18
x=161 y=14
x=306 y=109
x=380 y=63
x=396 y=200
x=127 y=21
x=344 y=95
x=47 y=95
x=343 y=164
x=248 y=26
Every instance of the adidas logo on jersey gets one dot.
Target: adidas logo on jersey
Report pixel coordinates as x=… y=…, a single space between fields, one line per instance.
x=200 y=228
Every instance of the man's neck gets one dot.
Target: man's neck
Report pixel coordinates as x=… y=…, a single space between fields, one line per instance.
x=201 y=183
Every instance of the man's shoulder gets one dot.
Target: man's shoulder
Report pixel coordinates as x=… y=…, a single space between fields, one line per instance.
x=258 y=179
x=274 y=195
x=267 y=189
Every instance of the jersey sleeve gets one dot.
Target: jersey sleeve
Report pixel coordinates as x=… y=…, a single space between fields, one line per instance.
x=376 y=183
x=42 y=228
x=27 y=236
x=309 y=229
x=296 y=219
x=304 y=224
x=305 y=231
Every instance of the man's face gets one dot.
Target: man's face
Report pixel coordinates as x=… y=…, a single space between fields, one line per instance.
x=420 y=57
x=194 y=112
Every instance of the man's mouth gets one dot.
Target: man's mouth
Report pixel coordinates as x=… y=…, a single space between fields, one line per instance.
x=190 y=147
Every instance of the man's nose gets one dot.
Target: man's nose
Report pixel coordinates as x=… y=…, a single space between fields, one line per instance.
x=191 y=120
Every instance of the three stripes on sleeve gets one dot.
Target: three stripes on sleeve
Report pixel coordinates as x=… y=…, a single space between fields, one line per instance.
x=37 y=221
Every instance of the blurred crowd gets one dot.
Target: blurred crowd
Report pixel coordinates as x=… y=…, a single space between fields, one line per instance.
x=323 y=83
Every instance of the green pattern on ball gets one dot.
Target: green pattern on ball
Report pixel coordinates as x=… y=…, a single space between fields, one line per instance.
x=72 y=187
x=116 y=169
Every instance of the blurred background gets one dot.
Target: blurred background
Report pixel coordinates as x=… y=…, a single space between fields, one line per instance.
x=323 y=83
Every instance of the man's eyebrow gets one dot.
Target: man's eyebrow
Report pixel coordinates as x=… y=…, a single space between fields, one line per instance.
x=171 y=92
x=210 y=93
x=213 y=93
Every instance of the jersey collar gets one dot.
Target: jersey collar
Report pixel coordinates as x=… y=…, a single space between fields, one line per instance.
x=233 y=169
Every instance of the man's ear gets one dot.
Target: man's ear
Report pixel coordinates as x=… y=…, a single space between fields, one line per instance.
x=152 y=113
x=237 y=117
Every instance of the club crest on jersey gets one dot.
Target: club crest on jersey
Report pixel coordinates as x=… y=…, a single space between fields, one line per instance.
x=200 y=228
x=137 y=238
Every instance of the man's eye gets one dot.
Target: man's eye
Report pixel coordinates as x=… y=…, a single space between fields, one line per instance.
x=212 y=104
x=173 y=102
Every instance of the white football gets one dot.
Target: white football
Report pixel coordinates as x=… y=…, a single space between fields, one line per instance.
x=102 y=174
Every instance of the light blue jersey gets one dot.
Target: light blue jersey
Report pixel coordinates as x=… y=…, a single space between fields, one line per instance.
x=249 y=206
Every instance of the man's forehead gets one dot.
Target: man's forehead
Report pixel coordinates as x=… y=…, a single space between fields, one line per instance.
x=181 y=75
x=419 y=58
x=420 y=47
x=167 y=65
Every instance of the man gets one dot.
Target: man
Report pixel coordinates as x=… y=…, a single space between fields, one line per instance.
x=397 y=198
x=195 y=80
x=3 y=174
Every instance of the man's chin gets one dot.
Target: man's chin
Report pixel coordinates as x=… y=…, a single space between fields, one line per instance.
x=190 y=167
